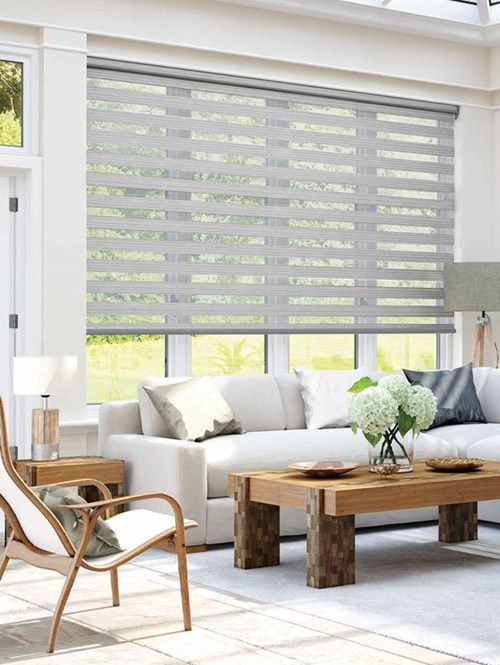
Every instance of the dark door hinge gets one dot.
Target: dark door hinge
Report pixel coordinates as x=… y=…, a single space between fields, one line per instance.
x=13 y=204
x=13 y=321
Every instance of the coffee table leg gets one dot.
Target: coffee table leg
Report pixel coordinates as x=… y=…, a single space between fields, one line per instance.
x=256 y=529
x=458 y=522
x=330 y=545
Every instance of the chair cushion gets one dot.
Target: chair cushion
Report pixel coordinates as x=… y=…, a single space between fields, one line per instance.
x=256 y=451
x=255 y=401
x=134 y=528
x=463 y=436
x=103 y=540
x=194 y=410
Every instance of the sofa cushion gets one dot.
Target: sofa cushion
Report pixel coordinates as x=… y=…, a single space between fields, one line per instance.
x=194 y=410
x=463 y=436
x=455 y=391
x=489 y=392
x=255 y=400
x=293 y=404
x=255 y=451
x=486 y=448
x=325 y=396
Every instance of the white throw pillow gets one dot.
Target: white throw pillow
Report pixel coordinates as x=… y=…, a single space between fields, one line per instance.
x=326 y=400
x=193 y=410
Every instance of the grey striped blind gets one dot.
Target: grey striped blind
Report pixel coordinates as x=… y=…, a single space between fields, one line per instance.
x=225 y=205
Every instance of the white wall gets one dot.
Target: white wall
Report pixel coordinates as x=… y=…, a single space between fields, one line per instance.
x=203 y=34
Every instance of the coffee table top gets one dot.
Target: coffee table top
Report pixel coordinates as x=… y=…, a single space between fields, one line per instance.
x=363 y=492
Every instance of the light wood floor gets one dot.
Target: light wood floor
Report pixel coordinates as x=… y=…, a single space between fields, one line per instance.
x=147 y=628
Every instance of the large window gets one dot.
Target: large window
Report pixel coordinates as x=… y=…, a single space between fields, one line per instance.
x=321 y=351
x=11 y=103
x=229 y=209
x=116 y=364
x=227 y=354
x=417 y=352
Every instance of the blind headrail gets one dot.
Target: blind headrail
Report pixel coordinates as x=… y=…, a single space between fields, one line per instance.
x=273 y=85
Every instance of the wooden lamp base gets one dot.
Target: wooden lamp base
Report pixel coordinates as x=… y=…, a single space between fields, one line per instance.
x=45 y=434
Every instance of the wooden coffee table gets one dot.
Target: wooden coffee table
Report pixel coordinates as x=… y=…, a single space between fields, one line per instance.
x=331 y=505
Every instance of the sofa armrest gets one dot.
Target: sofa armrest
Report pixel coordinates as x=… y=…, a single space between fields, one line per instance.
x=155 y=464
x=118 y=418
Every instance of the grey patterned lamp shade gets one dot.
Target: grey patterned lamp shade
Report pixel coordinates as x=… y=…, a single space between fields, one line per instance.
x=472 y=287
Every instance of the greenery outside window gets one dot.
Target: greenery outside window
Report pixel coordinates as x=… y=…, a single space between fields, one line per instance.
x=11 y=103
x=116 y=364
x=227 y=354
x=321 y=351
x=417 y=352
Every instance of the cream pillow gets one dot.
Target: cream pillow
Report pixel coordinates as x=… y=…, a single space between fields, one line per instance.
x=193 y=410
x=325 y=396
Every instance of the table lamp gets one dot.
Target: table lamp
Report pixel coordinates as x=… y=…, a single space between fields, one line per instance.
x=475 y=287
x=45 y=376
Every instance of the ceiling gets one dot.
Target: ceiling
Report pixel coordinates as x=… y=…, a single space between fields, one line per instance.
x=472 y=21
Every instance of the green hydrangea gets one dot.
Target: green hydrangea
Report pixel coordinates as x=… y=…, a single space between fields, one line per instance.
x=397 y=386
x=374 y=410
x=421 y=404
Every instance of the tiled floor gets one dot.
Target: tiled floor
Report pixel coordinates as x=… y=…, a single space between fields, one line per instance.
x=146 y=628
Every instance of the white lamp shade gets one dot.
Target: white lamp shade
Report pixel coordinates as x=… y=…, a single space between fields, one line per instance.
x=45 y=375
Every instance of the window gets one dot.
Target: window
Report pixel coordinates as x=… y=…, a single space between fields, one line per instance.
x=227 y=354
x=11 y=103
x=417 y=352
x=321 y=351
x=116 y=364
x=229 y=209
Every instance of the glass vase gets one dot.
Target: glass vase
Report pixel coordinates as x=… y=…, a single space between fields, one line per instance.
x=392 y=449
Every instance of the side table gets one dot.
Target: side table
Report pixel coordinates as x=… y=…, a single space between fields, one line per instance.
x=108 y=471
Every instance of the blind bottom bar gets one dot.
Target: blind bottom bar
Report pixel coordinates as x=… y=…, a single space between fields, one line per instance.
x=248 y=330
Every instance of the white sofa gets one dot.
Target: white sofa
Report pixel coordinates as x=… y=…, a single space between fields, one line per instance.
x=272 y=412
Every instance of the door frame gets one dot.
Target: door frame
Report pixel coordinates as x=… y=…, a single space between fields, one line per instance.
x=26 y=173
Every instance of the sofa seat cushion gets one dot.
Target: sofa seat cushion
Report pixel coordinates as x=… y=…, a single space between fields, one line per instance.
x=488 y=449
x=466 y=434
x=256 y=451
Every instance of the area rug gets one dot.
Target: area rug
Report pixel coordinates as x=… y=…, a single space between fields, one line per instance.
x=408 y=586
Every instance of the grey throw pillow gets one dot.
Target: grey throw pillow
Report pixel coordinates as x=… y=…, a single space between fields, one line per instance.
x=454 y=389
x=193 y=410
x=103 y=540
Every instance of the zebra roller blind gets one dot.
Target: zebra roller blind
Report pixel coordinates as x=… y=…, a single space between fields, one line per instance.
x=227 y=205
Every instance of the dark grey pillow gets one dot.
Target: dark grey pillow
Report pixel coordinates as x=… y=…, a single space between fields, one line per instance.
x=103 y=539
x=454 y=389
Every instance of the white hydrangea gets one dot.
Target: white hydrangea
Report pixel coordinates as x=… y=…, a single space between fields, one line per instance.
x=397 y=386
x=374 y=410
x=422 y=405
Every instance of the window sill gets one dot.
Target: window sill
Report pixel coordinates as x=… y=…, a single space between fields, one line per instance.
x=73 y=427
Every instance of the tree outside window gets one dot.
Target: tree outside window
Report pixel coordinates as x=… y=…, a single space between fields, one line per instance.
x=11 y=103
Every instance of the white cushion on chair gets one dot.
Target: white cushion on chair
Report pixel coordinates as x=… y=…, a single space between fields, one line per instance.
x=134 y=528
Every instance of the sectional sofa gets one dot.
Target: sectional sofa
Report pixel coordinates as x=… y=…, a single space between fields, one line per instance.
x=271 y=410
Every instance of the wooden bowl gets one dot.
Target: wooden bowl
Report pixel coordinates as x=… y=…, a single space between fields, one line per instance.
x=454 y=463
x=323 y=469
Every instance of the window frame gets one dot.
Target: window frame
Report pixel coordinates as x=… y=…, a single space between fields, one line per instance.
x=30 y=101
x=177 y=359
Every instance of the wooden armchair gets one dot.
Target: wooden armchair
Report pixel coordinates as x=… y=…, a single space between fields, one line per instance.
x=38 y=538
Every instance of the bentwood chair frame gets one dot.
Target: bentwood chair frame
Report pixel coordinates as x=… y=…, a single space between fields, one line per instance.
x=19 y=502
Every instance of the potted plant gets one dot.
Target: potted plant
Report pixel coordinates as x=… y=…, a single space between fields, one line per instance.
x=391 y=413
